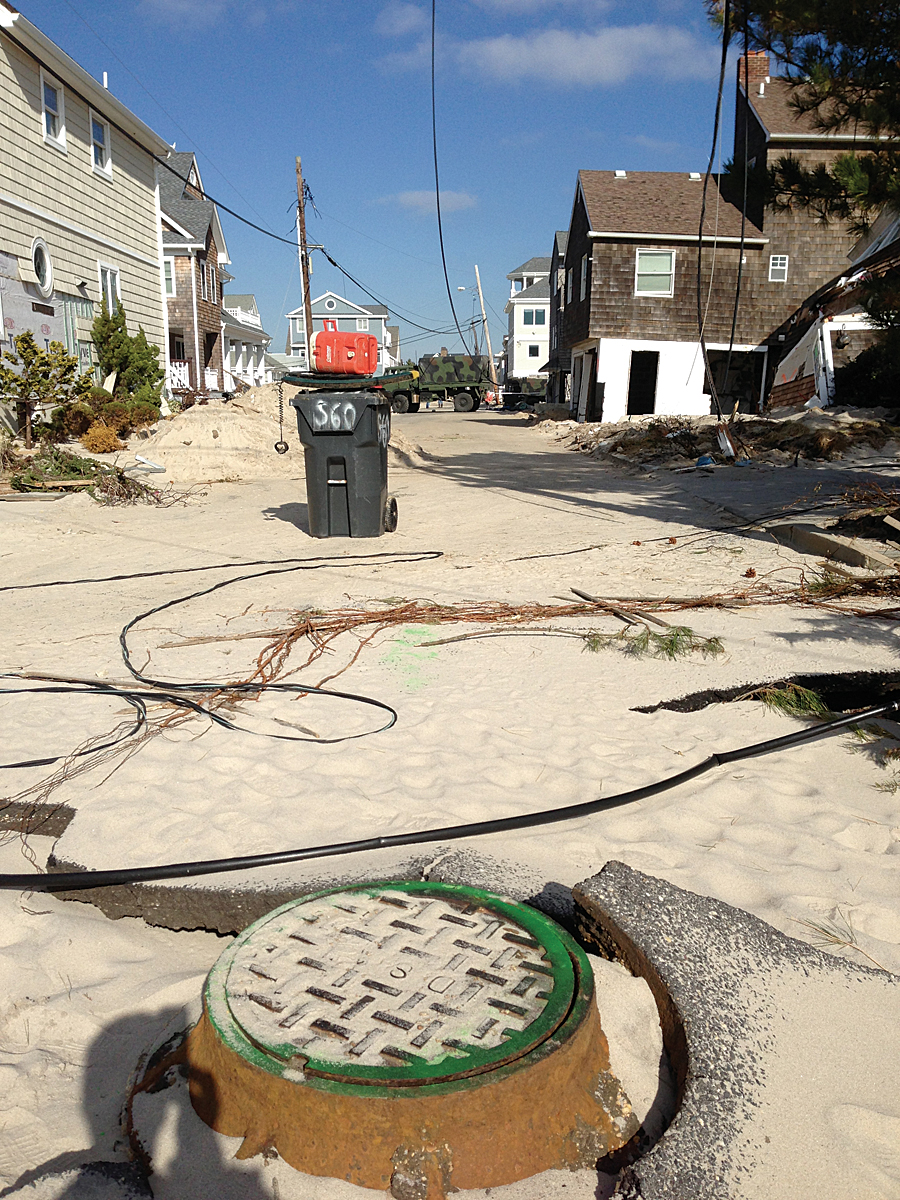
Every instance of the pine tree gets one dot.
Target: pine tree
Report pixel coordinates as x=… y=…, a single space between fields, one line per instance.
x=841 y=60
x=134 y=360
x=36 y=376
x=111 y=340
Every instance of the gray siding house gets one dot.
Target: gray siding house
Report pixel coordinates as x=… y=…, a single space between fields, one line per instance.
x=79 y=210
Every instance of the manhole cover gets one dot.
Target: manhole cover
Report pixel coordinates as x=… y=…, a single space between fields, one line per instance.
x=421 y=1037
x=387 y=984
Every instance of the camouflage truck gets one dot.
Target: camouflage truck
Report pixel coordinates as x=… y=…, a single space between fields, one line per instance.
x=464 y=379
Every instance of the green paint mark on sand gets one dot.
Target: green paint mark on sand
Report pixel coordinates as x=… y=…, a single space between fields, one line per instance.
x=409 y=656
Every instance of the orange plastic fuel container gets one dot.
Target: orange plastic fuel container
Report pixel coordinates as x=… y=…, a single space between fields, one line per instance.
x=336 y=353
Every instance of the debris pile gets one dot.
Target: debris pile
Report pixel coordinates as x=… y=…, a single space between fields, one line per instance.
x=53 y=469
x=814 y=435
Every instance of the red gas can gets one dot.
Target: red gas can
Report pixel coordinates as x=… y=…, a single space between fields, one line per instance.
x=337 y=353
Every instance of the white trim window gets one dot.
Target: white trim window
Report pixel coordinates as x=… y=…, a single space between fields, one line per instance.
x=42 y=265
x=204 y=289
x=109 y=286
x=53 y=112
x=778 y=268
x=213 y=283
x=654 y=273
x=169 y=276
x=569 y=286
x=101 y=155
x=534 y=352
x=584 y=276
x=362 y=324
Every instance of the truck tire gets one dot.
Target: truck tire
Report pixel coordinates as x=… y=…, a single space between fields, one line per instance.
x=477 y=404
x=414 y=405
x=400 y=403
x=463 y=402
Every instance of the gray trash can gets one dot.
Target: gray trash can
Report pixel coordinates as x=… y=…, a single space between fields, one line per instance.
x=345 y=438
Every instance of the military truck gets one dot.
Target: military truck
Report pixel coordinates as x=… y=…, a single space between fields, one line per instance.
x=464 y=379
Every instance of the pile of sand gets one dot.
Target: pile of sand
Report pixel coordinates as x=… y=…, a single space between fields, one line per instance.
x=230 y=440
x=224 y=440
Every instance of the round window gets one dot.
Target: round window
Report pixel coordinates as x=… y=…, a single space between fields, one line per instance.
x=43 y=267
x=329 y=304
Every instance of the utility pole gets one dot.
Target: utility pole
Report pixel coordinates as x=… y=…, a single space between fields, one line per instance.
x=303 y=251
x=487 y=335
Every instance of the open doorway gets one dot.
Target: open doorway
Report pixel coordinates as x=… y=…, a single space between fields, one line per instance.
x=642 y=382
x=742 y=385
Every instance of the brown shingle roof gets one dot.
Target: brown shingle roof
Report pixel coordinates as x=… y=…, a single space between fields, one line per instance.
x=776 y=112
x=781 y=119
x=658 y=202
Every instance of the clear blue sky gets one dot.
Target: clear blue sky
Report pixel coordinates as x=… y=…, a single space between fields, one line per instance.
x=528 y=93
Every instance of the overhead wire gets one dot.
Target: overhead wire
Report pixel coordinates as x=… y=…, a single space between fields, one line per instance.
x=712 y=158
x=437 y=182
x=159 y=104
x=740 y=264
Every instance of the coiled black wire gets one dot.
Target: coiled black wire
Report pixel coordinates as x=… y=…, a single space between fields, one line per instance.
x=171 y=692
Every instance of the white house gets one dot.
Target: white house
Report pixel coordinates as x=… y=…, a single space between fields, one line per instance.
x=527 y=342
x=348 y=318
x=244 y=342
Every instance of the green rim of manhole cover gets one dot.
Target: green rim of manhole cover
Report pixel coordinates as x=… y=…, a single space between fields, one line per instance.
x=394 y=984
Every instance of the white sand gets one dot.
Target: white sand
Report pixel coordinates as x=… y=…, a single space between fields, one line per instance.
x=489 y=727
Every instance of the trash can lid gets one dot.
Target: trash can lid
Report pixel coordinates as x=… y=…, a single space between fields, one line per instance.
x=397 y=983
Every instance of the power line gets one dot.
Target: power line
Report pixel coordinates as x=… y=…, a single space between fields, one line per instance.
x=378 y=299
x=740 y=269
x=377 y=241
x=437 y=184
x=712 y=158
x=159 y=104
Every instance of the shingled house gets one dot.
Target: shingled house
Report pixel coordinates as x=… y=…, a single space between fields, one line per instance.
x=194 y=254
x=627 y=311
x=627 y=308
x=559 y=364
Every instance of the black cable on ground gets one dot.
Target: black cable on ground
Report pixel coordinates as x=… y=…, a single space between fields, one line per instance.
x=171 y=692
x=323 y=560
x=136 y=700
x=82 y=880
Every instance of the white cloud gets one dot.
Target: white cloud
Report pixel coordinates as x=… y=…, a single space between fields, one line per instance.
x=194 y=12
x=423 y=204
x=655 y=144
x=522 y=6
x=398 y=19
x=569 y=59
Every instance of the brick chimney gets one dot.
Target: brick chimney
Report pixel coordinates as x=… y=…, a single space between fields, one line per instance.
x=757 y=71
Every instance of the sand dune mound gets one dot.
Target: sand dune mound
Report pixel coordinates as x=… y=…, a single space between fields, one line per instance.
x=235 y=439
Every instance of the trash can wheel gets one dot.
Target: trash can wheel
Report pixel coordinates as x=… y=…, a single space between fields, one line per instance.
x=390 y=514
